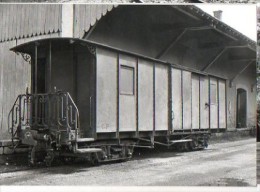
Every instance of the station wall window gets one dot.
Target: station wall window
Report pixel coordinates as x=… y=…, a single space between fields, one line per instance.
x=127 y=80
x=213 y=94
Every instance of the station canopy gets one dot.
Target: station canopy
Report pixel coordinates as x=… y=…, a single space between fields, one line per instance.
x=179 y=34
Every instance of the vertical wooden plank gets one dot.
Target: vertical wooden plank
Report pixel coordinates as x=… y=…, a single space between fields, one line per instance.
x=1 y=86
x=46 y=18
x=93 y=14
x=43 y=18
x=145 y=95
x=1 y=23
x=176 y=99
x=19 y=22
x=31 y=12
x=52 y=24
x=76 y=21
x=59 y=16
x=213 y=103
x=83 y=21
x=56 y=18
x=88 y=17
x=222 y=104
x=195 y=102
x=99 y=11
x=204 y=102
x=5 y=15
x=80 y=18
x=9 y=23
x=104 y=9
x=33 y=31
x=161 y=97
x=186 y=88
x=14 y=24
x=26 y=20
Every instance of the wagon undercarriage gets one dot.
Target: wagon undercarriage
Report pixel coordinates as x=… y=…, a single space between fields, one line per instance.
x=49 y=125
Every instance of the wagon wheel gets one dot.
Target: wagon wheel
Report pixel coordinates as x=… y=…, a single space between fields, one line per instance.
x=191 y=146
x=186 y=146
x=49 y=158
x=67 y=160
x=181 y=147
x=94 y=159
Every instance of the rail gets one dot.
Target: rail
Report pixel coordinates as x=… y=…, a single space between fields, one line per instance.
x=44 y=111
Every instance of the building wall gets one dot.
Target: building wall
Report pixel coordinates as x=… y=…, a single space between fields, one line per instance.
x=20 y=21
x=86 y=16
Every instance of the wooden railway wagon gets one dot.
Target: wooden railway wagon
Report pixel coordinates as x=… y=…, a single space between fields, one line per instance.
x=95 y=101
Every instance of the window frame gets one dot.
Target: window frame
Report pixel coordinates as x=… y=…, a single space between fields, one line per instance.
x=120 y=80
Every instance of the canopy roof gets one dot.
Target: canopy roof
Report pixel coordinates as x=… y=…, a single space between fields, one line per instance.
x=183 y=36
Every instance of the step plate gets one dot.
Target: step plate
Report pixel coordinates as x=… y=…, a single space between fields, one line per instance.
x=82 y=140
x=88 y=150
x=181 y=141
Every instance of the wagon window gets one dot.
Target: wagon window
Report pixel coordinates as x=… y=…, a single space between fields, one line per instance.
x=213 y=94
x=126 y=80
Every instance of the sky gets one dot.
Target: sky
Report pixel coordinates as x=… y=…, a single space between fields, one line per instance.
x=241 y=17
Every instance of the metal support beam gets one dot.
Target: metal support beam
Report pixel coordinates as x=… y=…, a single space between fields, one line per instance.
x=35 y=68
x=220 y=54
x=185 y=12
x=227 y=35
x=87 y=35
x=50 y=66
x=241 y=71
x=175 y=40
x=240 y=60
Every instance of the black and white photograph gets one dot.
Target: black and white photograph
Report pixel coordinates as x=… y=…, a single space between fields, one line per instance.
x=129 y=94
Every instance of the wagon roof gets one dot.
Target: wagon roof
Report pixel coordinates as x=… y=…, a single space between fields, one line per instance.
x=29 y=48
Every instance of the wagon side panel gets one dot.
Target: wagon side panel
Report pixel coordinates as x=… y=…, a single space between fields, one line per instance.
x=213 y=103
x=186 y=88
x=106 y=90
x=222 y=103
x=127 y=93
x=204 y=102
x=195 y=101
x=161 y=97
x=145 y=95
x=176 y=112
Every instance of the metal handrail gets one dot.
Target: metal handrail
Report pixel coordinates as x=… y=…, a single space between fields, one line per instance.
x=77 y=122
x=53 y=109
x=9 y=114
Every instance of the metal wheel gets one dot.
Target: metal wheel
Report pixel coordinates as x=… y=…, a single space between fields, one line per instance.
x=49 y=158
x=94 y=159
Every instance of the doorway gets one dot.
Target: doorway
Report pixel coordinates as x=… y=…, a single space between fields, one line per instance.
x=241 y=108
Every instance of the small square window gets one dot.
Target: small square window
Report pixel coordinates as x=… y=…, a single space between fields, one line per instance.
x=213 y=94
x=126 y=80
